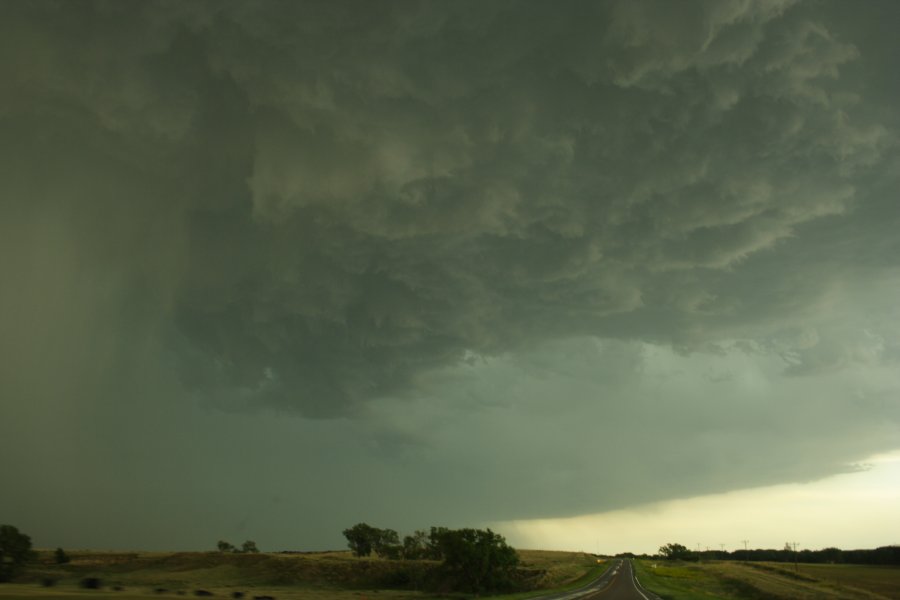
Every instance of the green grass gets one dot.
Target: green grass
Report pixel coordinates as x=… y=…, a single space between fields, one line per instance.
x=686 y=581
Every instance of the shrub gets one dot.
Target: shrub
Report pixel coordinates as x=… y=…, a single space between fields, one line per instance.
x=91 y=583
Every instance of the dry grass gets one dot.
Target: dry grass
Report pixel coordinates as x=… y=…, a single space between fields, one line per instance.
x=299 y=576
x=557 y=568
x=877 y=581
x=30 y=592
x=285 y=576
x=763 y=581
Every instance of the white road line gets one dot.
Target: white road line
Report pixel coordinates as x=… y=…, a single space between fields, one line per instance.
x=637 y=584
x=603 y=581
x=644 y=596
x=593 y=588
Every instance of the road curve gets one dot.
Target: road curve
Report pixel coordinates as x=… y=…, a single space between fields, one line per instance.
x=617 y=583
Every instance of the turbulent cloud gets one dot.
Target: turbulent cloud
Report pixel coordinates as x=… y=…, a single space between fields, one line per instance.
x=328 y=208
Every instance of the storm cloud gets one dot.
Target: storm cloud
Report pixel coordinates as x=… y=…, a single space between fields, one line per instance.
x=452 y=246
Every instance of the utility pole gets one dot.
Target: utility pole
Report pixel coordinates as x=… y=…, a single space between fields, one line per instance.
x=745 y=548
x=796 y=566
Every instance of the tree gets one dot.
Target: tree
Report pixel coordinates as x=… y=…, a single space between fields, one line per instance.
x=477 y=560
x=675 y=552
x=434 y=549
x=249 y=546
x=387 y=544
x=60 y=556
x=830 y=555
x=224 y=546
x=414 y=546
x=15 y=551
x=362 y=538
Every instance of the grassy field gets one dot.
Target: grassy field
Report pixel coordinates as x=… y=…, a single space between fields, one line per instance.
x=340 y=576
x=307 y=576
x=684 y=581
x=768 y=581
x=880 y=580
x=565 y=571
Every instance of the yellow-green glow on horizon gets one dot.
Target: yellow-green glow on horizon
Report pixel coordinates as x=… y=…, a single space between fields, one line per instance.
x=848 y=510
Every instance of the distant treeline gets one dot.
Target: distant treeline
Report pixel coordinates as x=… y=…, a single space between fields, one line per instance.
x=884 y=555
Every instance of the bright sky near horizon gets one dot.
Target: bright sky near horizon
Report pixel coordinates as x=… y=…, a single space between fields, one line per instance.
x=856 y=508
x=617 y=270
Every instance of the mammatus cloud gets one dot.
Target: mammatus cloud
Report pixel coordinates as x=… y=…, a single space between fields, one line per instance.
x=334 y=210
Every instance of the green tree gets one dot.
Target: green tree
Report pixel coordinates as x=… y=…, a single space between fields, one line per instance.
x=415 y=545
x=434 y=548
x=249 y=546
x=60 y=556
x=387 y=544
x=362 y=538
x=224 y=546
x=477 y=560
x=675 y=552
x=15 y=551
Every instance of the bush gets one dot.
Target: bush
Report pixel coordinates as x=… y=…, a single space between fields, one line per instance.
x=91 y=583
x=477 y=560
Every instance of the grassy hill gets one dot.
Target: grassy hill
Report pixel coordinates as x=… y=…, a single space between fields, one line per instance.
x=285 y=576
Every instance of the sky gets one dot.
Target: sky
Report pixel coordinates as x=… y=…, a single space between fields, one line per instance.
x=599 y=275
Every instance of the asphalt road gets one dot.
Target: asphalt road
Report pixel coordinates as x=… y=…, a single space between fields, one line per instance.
x=618 y=583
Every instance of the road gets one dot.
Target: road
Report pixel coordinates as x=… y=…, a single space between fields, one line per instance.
x=617 y=583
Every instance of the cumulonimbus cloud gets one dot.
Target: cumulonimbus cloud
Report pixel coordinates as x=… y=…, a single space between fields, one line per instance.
x=330 y=200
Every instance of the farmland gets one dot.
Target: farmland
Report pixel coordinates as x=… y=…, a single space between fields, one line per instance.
x=730 y=580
